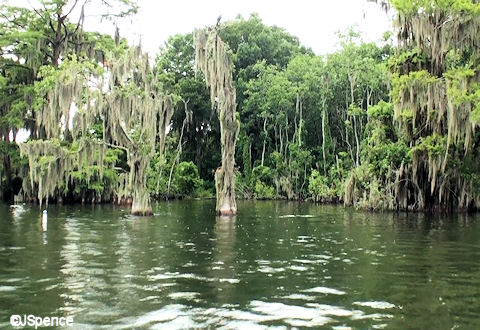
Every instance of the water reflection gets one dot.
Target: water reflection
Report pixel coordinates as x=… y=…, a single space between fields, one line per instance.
x=223 y=260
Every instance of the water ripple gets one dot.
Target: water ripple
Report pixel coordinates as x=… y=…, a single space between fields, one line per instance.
x=324 y=290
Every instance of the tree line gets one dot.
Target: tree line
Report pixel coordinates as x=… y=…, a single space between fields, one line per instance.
x=371 y=125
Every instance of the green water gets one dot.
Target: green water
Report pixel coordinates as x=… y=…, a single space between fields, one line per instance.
x=277 y=264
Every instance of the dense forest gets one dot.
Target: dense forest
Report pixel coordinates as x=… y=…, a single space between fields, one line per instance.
x=372 y=125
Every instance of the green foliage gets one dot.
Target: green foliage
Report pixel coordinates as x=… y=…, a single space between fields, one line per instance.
x=174 y=67
x=403 y=61
x=413 y=80
x=252 y=41
x=166 y=179
x=463 y=89
x=187 y=180
x=262 y=179
x=263 y=174
x=291 y=105
x=158 y=174
x=258 y=185
x=435 y=92
x=377 y=128
x=262 y=191
x=12 y=166
x=365 y=191
x=92 y=182
x=389 y=155
x=434 y=145
x=427 y=6
x=381 y=111
x=317 y=186
x=247 y=166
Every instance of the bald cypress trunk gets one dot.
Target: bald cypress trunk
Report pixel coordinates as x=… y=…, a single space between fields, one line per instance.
x=141 y=198
x=214 y=61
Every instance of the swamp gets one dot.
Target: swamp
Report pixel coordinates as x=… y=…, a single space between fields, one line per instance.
x=235 y=177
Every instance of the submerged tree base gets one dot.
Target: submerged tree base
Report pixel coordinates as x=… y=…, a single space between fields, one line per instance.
x=227 y=210
x=141 y=212
x=225 y=190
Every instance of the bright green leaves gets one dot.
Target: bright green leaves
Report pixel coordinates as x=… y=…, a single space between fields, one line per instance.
x=428 y=6
x=434 y=145
x=318 y=186
x=186 y=179
x=382 y=110
x=463 y=90
x=436 y=97
x=415 y=79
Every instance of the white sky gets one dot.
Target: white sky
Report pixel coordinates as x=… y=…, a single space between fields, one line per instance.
x=313 y=22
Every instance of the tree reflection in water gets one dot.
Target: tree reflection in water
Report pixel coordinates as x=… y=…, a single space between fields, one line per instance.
x=224 y=253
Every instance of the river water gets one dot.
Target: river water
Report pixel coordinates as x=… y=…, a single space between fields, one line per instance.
x=277 y=264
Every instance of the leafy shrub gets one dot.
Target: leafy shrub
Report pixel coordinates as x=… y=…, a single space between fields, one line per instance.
x=317 y=186
x=263 y=177
x=263 y=174
x=262 y=191
x=187 y=179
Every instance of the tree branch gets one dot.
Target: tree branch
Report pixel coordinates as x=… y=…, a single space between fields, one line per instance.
x=66 y=30
x=115 y=146
x=81 y=18
x=125 y=135
x=34 y=9
x=13 y=21
x=17 y=65
x=71 y=9
x=50 y=23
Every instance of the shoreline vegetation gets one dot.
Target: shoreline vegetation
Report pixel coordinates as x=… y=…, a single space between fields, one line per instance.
x=374 y=126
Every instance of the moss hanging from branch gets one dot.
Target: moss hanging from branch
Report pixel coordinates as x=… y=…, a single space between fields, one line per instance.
x=57 y=90
x=52 y=164
x=135 y=113
x=124 y=96
x=213 y=59
x=436 y=99
x=51 y=159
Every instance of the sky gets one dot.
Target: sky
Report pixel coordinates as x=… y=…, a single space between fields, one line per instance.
x=315 y=23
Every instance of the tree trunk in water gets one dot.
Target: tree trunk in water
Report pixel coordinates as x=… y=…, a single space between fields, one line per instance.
x=225 y=191
x=225 y=175
x=141 y=197
x=7 y=194
x=213 y=59
x=141 y=202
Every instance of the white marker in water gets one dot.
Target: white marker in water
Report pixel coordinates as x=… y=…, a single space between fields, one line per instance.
x=44 y=220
